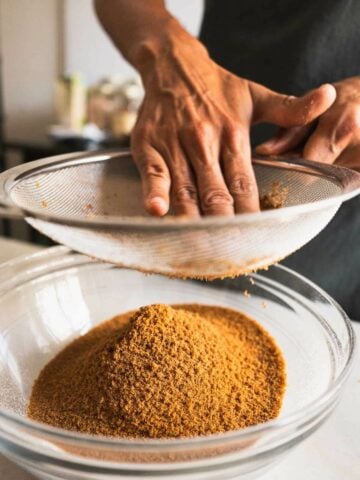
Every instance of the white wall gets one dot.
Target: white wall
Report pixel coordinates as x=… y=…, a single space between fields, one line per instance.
x=88 y=49
x=30 y=54
x=41 y=38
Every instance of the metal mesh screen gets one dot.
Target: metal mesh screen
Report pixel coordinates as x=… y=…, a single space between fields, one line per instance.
x=99 y=189
x=102 y=189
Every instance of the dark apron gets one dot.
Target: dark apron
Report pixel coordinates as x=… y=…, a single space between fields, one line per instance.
x=292 y=46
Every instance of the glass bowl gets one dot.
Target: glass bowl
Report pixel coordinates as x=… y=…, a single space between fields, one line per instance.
x=49 y=298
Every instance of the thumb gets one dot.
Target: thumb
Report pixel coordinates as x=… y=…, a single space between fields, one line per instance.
x=288 y=111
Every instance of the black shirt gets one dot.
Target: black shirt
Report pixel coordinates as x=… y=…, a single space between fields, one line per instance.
x=292 y=46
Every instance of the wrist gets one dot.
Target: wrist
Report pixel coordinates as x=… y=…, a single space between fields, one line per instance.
x=163 y=50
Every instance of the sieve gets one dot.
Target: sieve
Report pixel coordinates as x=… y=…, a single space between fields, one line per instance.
x=92 y=203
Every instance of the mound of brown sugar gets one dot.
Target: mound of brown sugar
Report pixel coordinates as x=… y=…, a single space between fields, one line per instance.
x=162 y=372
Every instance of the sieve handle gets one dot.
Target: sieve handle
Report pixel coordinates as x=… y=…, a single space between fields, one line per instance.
x=10 y=212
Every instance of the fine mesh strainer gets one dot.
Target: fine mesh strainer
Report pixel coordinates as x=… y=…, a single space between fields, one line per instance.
x=92 y=202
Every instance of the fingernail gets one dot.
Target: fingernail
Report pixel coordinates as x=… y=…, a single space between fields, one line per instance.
x=157 y=205
x=331 y=89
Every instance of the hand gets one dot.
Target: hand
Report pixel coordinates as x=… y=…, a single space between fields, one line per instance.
x=336 y=136
x=191 y=141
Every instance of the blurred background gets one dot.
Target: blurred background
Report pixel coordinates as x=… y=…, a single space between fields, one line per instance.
x=63 y=85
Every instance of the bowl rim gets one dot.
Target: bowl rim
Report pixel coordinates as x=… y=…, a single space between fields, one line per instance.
x=314 y=407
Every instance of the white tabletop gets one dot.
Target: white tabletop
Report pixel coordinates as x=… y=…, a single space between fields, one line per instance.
x=332 y=453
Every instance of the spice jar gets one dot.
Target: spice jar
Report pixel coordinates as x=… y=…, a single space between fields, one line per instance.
x=113 y=105
x=129 y=97
x=101 y=104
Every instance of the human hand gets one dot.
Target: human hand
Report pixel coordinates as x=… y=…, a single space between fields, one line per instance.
x=336 y=137
x=191 y=140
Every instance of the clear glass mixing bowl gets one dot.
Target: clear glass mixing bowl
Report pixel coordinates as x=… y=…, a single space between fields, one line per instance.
x=49 y=298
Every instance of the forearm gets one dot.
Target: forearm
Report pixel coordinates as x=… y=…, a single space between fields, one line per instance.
x=141 y=29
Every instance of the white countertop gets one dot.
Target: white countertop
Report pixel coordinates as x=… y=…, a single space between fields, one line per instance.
x=332 y=453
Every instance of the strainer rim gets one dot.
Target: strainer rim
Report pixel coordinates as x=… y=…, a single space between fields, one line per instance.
x=349 y=180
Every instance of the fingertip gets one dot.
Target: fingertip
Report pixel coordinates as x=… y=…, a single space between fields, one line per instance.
x=187 y=211
x=157 y=206
x=328 y=94
x=266 y=148
x=263 y=150
x=315 y=103
x=277 y=145
x=322 y=98
x=250 y=206
x=329 y=90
